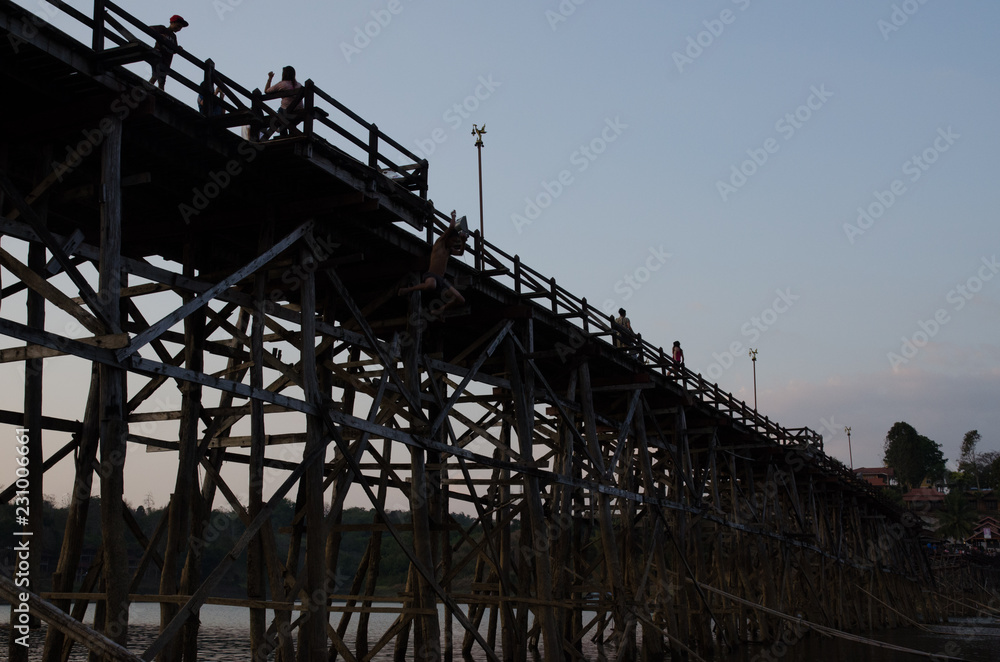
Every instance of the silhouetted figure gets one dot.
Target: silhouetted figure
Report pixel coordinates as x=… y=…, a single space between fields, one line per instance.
x=166 y=46
x=451 y=242
x=286 y=84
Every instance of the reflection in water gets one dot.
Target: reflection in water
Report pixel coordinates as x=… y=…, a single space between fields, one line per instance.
x=224 y=639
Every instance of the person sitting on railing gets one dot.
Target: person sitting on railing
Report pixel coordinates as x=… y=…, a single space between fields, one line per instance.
x=451 y=242
x=286 y=84
x=166 y=46
x=678 y=354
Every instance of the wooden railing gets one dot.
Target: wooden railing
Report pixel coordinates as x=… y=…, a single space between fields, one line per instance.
x=322 y=117
x=542 y=291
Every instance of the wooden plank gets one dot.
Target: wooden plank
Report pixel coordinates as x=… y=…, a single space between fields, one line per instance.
x=43 y=287
x=457 y=393
x=93 y=640
x=46 y=237
x=40 y=352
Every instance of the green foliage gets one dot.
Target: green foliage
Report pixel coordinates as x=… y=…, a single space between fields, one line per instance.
x=990 y=476
x=969 y=442
x=912 y=456
x=221 y=532
x=957 y=517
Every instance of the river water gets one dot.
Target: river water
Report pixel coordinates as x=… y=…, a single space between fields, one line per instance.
x=224 y=638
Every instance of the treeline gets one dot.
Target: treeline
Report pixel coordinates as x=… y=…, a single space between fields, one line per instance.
x=916 y=458
x=223 y=530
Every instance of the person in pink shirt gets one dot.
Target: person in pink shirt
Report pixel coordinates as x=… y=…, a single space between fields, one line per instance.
x=286 y=84
x=678 y=353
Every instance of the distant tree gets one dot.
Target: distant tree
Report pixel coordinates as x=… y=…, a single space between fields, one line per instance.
x=912 y=456
x=990 y=462
x=957 y=517
x=967 y=460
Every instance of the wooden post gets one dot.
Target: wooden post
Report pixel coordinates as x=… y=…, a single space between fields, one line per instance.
x=76 y=520
x=539 y=545
x=426 y=641
x=373 y=146
x=98 y=37
x=255 y=551
x=313 y=645
x=184 y=501
x=309 y=107
x=113 y=427
x=208 y=99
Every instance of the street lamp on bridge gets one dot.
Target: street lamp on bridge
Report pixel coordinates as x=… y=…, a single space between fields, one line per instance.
x=478 y=133
x=753 y=357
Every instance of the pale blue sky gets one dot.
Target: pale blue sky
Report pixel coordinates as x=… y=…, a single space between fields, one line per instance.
x=678 y=128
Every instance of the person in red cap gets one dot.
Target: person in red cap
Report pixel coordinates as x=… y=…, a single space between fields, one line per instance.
x=166 y=46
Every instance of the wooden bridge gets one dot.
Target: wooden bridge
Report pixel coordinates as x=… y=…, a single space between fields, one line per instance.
x=615 y=495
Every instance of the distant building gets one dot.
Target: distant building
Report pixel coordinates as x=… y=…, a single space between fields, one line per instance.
x=923 y=497
x=984 y=501
x=986 y=535
x=877 y=476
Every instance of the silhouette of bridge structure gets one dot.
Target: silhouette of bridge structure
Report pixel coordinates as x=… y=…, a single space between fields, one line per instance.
x=614 y=494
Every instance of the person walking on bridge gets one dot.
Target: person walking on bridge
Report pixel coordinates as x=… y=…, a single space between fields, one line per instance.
x=678 y=356
x=166 y=46
x=623 y=331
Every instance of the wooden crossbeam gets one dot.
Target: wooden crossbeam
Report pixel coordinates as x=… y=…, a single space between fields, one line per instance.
x=202 y=299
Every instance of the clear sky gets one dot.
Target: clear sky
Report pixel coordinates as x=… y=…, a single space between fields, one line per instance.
x=813 y=180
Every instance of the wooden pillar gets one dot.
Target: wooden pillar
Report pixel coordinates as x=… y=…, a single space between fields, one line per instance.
x=524 y=400
x=113 y=426
x=64 y=579
x=375 y=559
x=612 y=561
x=255 y=551
x=568 y=539
x=313 y=644
x=426 y=640
x=446 y=558
x=509 y=635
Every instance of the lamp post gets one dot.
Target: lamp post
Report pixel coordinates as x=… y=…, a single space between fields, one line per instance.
x=753 y=357
x=478 y=133
x=850 y=454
